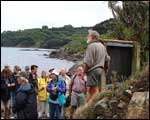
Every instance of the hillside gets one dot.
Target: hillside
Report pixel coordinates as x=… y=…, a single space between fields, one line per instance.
x=129 y=101
x=41 y=38
x=71 y=38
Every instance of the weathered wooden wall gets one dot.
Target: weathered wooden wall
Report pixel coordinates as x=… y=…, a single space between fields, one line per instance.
x=125 y=58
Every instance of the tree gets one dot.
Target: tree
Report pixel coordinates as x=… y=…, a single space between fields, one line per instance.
x=44 y=27
x=105 y=26
x=132 y=23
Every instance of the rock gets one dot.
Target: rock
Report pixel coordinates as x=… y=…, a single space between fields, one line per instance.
x=126 y=96
x=53 y=54
x=72 y=70
x=147 y=105
x=131 y=87
x=129 y=92
x=36 y=49
x=115 y=116
x=138 y=98
x=103 y=102
x=113 y=104
x=108 y=114
x=62 y=54
x=25 y=50
x=101 y=106
x=45 y=54
x=147 y=98
x=122 y=104
x=137 y=106
x=100 y=117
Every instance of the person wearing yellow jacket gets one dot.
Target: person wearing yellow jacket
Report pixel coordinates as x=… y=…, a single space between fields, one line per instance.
x=43 y=94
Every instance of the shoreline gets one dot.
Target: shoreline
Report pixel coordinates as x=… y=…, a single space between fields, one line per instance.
x=53 y=53
x=13 y=56
x=62 y=55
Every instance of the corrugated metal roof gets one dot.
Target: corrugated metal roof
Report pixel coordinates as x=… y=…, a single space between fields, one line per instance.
x=118 y=44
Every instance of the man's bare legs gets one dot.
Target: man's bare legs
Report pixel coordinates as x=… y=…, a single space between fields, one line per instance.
x=72 y=110
x=91 y=91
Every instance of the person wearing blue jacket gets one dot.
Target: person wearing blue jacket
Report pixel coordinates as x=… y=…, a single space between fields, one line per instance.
x=26 y=104
x=55 y=87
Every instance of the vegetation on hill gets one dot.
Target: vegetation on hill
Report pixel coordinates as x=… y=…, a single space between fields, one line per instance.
x=106 y=28
x=132 y=23
x=42 y=38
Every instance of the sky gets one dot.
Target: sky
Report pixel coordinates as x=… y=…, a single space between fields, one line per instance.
x=19 y=15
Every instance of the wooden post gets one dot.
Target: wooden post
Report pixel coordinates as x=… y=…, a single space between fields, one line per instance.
x=136 y=58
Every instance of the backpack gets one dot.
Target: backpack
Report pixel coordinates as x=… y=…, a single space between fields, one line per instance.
x=31 y=96
x=54 y=94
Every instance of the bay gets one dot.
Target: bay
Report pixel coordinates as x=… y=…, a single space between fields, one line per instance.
x=29 y=56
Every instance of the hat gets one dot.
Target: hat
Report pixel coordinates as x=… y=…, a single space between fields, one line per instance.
x=17 y=67
x=21 y=74
x=50 y=70
x=7 y=66
x=27 y=67
x=55 y=72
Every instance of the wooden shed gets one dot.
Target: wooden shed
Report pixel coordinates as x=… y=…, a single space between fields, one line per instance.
x=125 y=58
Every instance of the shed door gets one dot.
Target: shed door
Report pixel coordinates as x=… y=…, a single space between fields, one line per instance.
x=121 y=62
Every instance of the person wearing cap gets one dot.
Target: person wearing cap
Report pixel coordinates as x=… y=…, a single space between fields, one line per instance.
x=7 y=66
x=27 y=71
x=26 y=104
x=50 y=71
x=95 y=59
x=55 y=86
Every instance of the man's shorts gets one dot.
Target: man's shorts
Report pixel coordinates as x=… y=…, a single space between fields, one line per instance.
x=77 y=99
x=96 y=78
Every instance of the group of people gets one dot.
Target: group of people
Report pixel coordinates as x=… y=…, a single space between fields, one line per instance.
x=25 y=95
x=17 y=94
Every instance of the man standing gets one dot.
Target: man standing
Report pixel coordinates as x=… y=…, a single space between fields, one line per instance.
x=95 y=60
x=77 y=90
x=27 y=72
x=33 y=77
x=14 y=78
